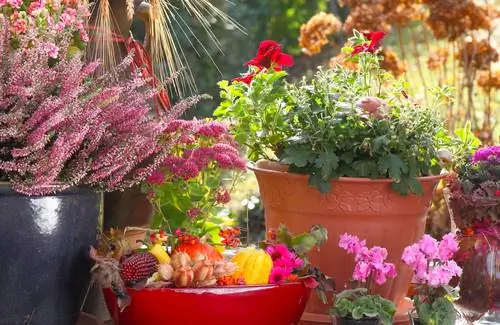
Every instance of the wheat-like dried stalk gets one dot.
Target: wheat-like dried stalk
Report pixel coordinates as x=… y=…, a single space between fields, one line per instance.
x=130 y=9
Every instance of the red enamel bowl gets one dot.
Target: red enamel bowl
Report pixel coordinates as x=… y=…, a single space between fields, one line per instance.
x=235 y=305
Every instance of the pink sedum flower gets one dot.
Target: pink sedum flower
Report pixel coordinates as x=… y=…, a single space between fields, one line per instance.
x=193 y=212
x=157 y=177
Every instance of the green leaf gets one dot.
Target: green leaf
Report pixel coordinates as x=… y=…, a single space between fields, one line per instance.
x=284 y=235
x=318 y=181
x=299 y=156
x=393 y=165
x=365 y=168
x=320 y=233
x=328 y=162
x=303 y=244
x=379 y=142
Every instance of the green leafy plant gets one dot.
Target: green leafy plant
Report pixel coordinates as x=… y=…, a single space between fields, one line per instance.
x=438 y=312
x=357 y=304
x=355 y=122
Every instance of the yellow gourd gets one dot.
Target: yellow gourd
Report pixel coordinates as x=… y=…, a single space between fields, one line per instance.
x=254 y=265
x=159 y=252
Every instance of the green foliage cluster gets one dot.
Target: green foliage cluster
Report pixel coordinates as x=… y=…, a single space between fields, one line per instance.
x=358 y=304
x=318 y=129
x=438 y=312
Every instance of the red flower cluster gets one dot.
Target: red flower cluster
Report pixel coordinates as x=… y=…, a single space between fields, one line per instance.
x=269 y=56
x=230 y=237
x=375 y=39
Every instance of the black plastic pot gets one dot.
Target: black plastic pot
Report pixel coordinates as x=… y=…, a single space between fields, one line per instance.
x=44 y=264
x=363 y=321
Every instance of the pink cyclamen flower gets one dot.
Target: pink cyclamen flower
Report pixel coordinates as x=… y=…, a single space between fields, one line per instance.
x=157 y=177
x=352 y=244
x=361 y=271
x=447 y=247
x=279 y=275
x=50 y=49
x=429 y=246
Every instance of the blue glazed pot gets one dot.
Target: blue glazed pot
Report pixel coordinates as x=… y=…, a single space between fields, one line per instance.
x=44 y=264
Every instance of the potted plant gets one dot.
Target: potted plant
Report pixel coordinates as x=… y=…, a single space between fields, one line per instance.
x=358 y=305
x=433 y=265
x=198 y=283
x=65 y=136
x=348 y=149
x=474 y=202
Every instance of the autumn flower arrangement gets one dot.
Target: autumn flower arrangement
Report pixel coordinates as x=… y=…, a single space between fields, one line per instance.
x=184 y=260
x=433 y=265
x=345 y=122
x=358 y=304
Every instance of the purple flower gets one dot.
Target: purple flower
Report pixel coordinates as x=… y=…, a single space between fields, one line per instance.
x=484 y=154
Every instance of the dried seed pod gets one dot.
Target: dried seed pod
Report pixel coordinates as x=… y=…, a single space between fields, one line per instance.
x=203 y=270
x=207 y=283
x=224 y=268
x=180 y=260
x=183 y=277
x=166 y=271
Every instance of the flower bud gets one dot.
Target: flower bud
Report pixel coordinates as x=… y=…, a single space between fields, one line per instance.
x=369 y=104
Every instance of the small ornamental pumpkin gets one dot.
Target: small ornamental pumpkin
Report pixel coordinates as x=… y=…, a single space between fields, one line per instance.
x=196 y=248
x=254 y=265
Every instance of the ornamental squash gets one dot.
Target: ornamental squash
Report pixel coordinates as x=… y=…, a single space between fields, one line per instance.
x=198 y=248
x=254 y=265
x=159 y=252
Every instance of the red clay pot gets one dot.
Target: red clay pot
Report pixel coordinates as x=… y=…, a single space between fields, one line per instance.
x=367 y=208
x=241 y=305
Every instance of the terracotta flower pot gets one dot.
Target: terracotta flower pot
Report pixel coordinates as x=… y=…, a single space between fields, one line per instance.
x=367 y=208
x=241 y=305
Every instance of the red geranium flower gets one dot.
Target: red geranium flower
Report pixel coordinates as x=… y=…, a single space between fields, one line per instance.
x=269 y=56
x=247 y=79
x=375 y=39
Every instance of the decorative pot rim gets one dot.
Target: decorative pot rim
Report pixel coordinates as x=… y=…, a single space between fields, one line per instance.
x=255 y=168
x=6 y=189
x=221 y=289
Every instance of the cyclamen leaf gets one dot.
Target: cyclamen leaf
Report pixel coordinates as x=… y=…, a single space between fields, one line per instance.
x=393 y=165
x=298 y=156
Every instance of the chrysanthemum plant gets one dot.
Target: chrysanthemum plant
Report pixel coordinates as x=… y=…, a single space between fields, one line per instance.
x=434 y=268
x=343 y=123
x=370 y=269
x=290 y=263
x=191 y=186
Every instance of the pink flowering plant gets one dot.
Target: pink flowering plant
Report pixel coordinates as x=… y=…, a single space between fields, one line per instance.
x=289 y=254
x=60 y=126
x=434 y=268
x=370 y=269
x=47 y=17
x=191 y=186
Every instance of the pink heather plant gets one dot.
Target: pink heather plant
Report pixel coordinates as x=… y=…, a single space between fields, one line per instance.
x=434 y=268
x=370 y=262
x=42 y=17
x=60 y=127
